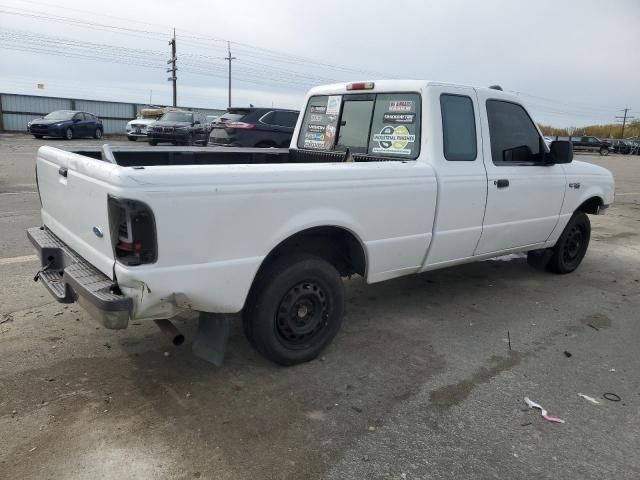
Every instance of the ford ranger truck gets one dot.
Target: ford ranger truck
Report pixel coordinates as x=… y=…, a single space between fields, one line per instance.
x=382 y=179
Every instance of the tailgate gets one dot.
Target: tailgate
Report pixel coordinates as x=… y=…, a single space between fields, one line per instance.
x=74 y=191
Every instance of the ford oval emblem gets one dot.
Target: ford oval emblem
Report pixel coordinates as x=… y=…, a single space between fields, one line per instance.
x=98 y=232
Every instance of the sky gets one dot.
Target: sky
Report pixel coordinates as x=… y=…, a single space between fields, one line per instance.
x=573 y=63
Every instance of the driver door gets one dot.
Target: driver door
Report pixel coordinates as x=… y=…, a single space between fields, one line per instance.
x=524 y=195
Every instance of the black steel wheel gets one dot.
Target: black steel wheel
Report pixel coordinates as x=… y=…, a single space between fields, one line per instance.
x=295 y=308
x=572 y=245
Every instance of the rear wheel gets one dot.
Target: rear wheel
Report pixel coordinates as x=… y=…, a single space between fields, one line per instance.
x=69 y=134
x=295 y=309
x=132 y=139
x=38 y=136
x=572 y=245
x=153 y=143
x=604 y=151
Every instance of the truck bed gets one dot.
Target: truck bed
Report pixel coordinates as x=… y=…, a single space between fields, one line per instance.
x=157 y=156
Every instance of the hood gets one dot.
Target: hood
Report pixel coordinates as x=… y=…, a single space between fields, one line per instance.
x=586 y=168
x=167 y=123
x=143 y=121
x=43 y=121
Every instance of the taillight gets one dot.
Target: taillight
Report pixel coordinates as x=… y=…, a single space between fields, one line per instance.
x=230 y=125
x=133 y=231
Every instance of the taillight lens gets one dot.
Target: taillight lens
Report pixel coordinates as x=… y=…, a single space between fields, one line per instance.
x=230 y=125
x=133 y=231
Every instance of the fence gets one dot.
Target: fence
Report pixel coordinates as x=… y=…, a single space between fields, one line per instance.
x=17 y=110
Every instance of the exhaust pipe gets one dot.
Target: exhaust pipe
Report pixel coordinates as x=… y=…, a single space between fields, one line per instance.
x=170 y=330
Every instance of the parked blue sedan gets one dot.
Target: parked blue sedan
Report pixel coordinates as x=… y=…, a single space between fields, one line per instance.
x=67 y=124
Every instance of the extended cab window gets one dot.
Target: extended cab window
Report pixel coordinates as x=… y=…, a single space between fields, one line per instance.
x=514 y=137
x=384 y=124
x=458 y=128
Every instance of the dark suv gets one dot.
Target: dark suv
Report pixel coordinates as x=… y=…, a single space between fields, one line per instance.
x=254 y=127
x=591 y=144
x=179 y=127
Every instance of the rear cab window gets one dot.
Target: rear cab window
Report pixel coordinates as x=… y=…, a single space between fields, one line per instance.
x=373 y=124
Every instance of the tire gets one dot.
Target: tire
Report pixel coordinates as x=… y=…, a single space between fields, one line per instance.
x=295 y=309
x=132 y=139
x=189 y=141
x=572 y=245
x=604 y=151
x=97 y=134
x=153 y=143
x=69 y=134
x=37 y=136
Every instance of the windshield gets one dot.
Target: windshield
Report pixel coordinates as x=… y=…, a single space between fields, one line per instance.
x=60 y=115
x=177 y=117
x=383 y=124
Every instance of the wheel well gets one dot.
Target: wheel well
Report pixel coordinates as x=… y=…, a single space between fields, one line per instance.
x=336 y=245
x=591 y=205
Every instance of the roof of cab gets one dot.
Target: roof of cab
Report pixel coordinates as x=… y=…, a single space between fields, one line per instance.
x=399 y=85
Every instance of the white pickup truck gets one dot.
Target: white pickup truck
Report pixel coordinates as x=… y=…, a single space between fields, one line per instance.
x=382 y=179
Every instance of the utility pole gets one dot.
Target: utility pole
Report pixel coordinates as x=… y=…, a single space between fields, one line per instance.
x=229 y=58
x=624 y=119
x=173 y=78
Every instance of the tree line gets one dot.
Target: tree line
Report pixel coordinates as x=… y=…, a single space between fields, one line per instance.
x=609 y=130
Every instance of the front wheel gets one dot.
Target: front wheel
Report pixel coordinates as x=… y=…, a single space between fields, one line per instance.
x=132 y=139
x=97 y=134
x=604 y=151
x=37 y=136
x=69 y=134
x=153 y=143
x=295 y=309
x=572 y=245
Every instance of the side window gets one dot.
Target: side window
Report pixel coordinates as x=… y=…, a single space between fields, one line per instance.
x=78 y=116
x=288 y=119
x=514 y=137
x=458 y=128
x=395 y=127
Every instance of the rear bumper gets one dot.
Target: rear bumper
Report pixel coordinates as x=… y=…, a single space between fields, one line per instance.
x=70 y=278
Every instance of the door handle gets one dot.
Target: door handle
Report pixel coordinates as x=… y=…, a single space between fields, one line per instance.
x=63 y=171
x=501 y=183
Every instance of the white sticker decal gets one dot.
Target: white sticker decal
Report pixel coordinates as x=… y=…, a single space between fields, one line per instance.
x=333 y=105
x=401 y=106
x=394 y=140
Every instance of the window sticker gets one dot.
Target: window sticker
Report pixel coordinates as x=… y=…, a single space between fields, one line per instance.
x=318 y=108
x=316 y=117
x=401 y=106
x=398 y=117
x=315 y=128
x=333 y=105
x=394 y=140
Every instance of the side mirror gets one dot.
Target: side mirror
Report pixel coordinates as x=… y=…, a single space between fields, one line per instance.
x=197 y=122
x=560 y=151
x=518 y=154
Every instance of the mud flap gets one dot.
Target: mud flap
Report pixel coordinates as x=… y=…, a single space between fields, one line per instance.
x=211 y=337
x=539 y=258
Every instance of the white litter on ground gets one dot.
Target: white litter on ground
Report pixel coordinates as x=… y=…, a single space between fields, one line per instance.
x=587 y=397
x=545 y=414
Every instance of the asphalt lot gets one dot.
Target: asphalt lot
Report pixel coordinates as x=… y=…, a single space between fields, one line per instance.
x=420 y=383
